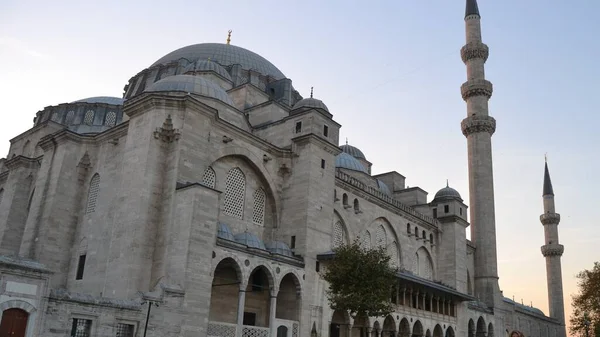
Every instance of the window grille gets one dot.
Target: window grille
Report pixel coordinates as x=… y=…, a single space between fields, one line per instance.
x=338 y=234
x=125 y=330
x=209 y=179
x=81 y=327
x=55 y=117
x=70 y=117
x=258 y=216
x=380 y=237
x=365 y=240
x=393 y=252
x=88 y=119
x=235 y=190
x=111 y=118
x=93 y=194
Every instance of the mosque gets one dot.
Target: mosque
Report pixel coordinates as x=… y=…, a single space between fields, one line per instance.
x=207 y=200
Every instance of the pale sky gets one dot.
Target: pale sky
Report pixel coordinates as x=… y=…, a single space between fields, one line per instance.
x=390 y=72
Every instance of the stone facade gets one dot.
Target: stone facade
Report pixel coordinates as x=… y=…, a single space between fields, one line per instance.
x=207 y=202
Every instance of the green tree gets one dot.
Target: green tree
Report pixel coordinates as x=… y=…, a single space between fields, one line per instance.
x=586 y=304
x=360 y=280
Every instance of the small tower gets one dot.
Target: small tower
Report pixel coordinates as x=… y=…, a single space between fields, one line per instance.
x=552 y=251
x=478 y=128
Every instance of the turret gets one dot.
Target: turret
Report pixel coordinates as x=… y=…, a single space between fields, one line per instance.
x=552 y=251
x=478 y=127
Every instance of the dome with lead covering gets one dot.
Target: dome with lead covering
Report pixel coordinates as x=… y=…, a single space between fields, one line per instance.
x=102 y=100
x=278 y=247
x=447 y=193
x=344 y=160
x=225 y=55
x=353 y=151
x=224 y=232
x=191 y=84
x=208 y=65
x=250 y=240
x=383 y=188
x=310 y=103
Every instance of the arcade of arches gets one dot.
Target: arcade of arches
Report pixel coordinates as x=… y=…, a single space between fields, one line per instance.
x=340 y=327
x=256 y=306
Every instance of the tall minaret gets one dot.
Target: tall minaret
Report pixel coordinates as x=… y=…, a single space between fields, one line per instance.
x=552 y=251
x=478 y=127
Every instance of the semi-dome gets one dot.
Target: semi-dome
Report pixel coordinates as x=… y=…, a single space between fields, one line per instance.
x=310 y=103
x=191 y=84
x=344 y=160
x=208 y=65
x=224 y=55
x=224 y=232
x=250 y=240
x=447 y=193
x=278 y=247
x=102 y=100
x=353 y=151
x=383 y=188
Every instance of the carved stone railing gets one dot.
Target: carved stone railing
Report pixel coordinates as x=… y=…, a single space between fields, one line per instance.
x=382 y=196
x=219 y=329
x=254 y=331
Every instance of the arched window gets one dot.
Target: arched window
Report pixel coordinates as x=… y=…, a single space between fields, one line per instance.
x=345 y=199
x=393 y=253
x=93 y=194
x=356 y=206
x=380 y=237
x=258 y=216
x=70 y=117
x=88 y=119
x=431 y=238
x=235 y=190
x=339 y=237
x=424 y=264
x=55 y=117
x=111 y=118
x=365 y=240
x=424 y=236
x=209 y=179
x=416 y=232
x=408 y=228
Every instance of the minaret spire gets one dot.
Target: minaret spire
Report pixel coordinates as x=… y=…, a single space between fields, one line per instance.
x=479 y=127
x=552 y=251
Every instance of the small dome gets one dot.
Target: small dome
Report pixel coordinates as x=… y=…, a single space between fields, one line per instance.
x=102 y=100
x=310 y=103
x=191 y=84
x=207 y=65
x=249 y=240
x=278 y=247
x=344 y=160
x=447 y=193
x=383 y=188
x=224 y=232
x=353 y=151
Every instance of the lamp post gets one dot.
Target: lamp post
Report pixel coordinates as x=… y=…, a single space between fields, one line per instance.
x=586 y=323
x=150 y=304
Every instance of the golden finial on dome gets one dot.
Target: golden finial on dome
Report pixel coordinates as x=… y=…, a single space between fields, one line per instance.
x=229 y=36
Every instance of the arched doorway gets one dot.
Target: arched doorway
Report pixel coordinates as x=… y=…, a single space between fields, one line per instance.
x=389 y=327
x=481 y=328
x=417 y=329
x=14 y=323
x=258 y=298
x=339 y=324
x=471 y=328
x=288 y=298
x=225 y=292
x=490 y=332
x=449 y=332
x=404 y=330
x=437 y=331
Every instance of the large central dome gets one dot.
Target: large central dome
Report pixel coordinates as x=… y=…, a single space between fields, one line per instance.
x=225 y=55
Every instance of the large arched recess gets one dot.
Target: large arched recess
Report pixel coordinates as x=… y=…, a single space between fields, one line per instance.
x=391 y=235
x=254 y=161
x=425 y=264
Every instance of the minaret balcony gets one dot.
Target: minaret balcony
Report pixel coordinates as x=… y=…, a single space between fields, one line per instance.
x=553 y=250
x=476 y=87
x=474 y=50
x=550 y=219
x=475 y=124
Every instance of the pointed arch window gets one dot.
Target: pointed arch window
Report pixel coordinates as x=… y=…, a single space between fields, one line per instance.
x=380 y=237
x=339 y=237
x=235 y=190
x=88 y=119
x=365 y=240
x=209 y=179
x=258 y=215
x=70 y=117
x=93 y=194
x=111 y=118
x=393 y=253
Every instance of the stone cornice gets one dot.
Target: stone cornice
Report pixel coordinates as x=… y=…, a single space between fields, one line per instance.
x=252 y=86
x=22 y=162
x=476 y=87
x=295 y=115
x=294 y=261
x=553 y=250
x=38 y=127
x=312 y=138
x=550 y=219
x=476 y=124
x=474 y=50
x=453 y=218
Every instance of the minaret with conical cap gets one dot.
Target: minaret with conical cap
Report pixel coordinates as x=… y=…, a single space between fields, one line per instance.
x=478 y=127
x=552 y=251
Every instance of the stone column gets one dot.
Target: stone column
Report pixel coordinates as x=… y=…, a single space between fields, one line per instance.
x=272 y=311
x=240 y=315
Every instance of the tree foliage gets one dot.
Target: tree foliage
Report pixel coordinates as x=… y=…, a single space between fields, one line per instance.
x=360 y=280
x=586 y=304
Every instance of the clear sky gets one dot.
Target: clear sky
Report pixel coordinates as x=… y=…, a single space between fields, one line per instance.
x=390 y=72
